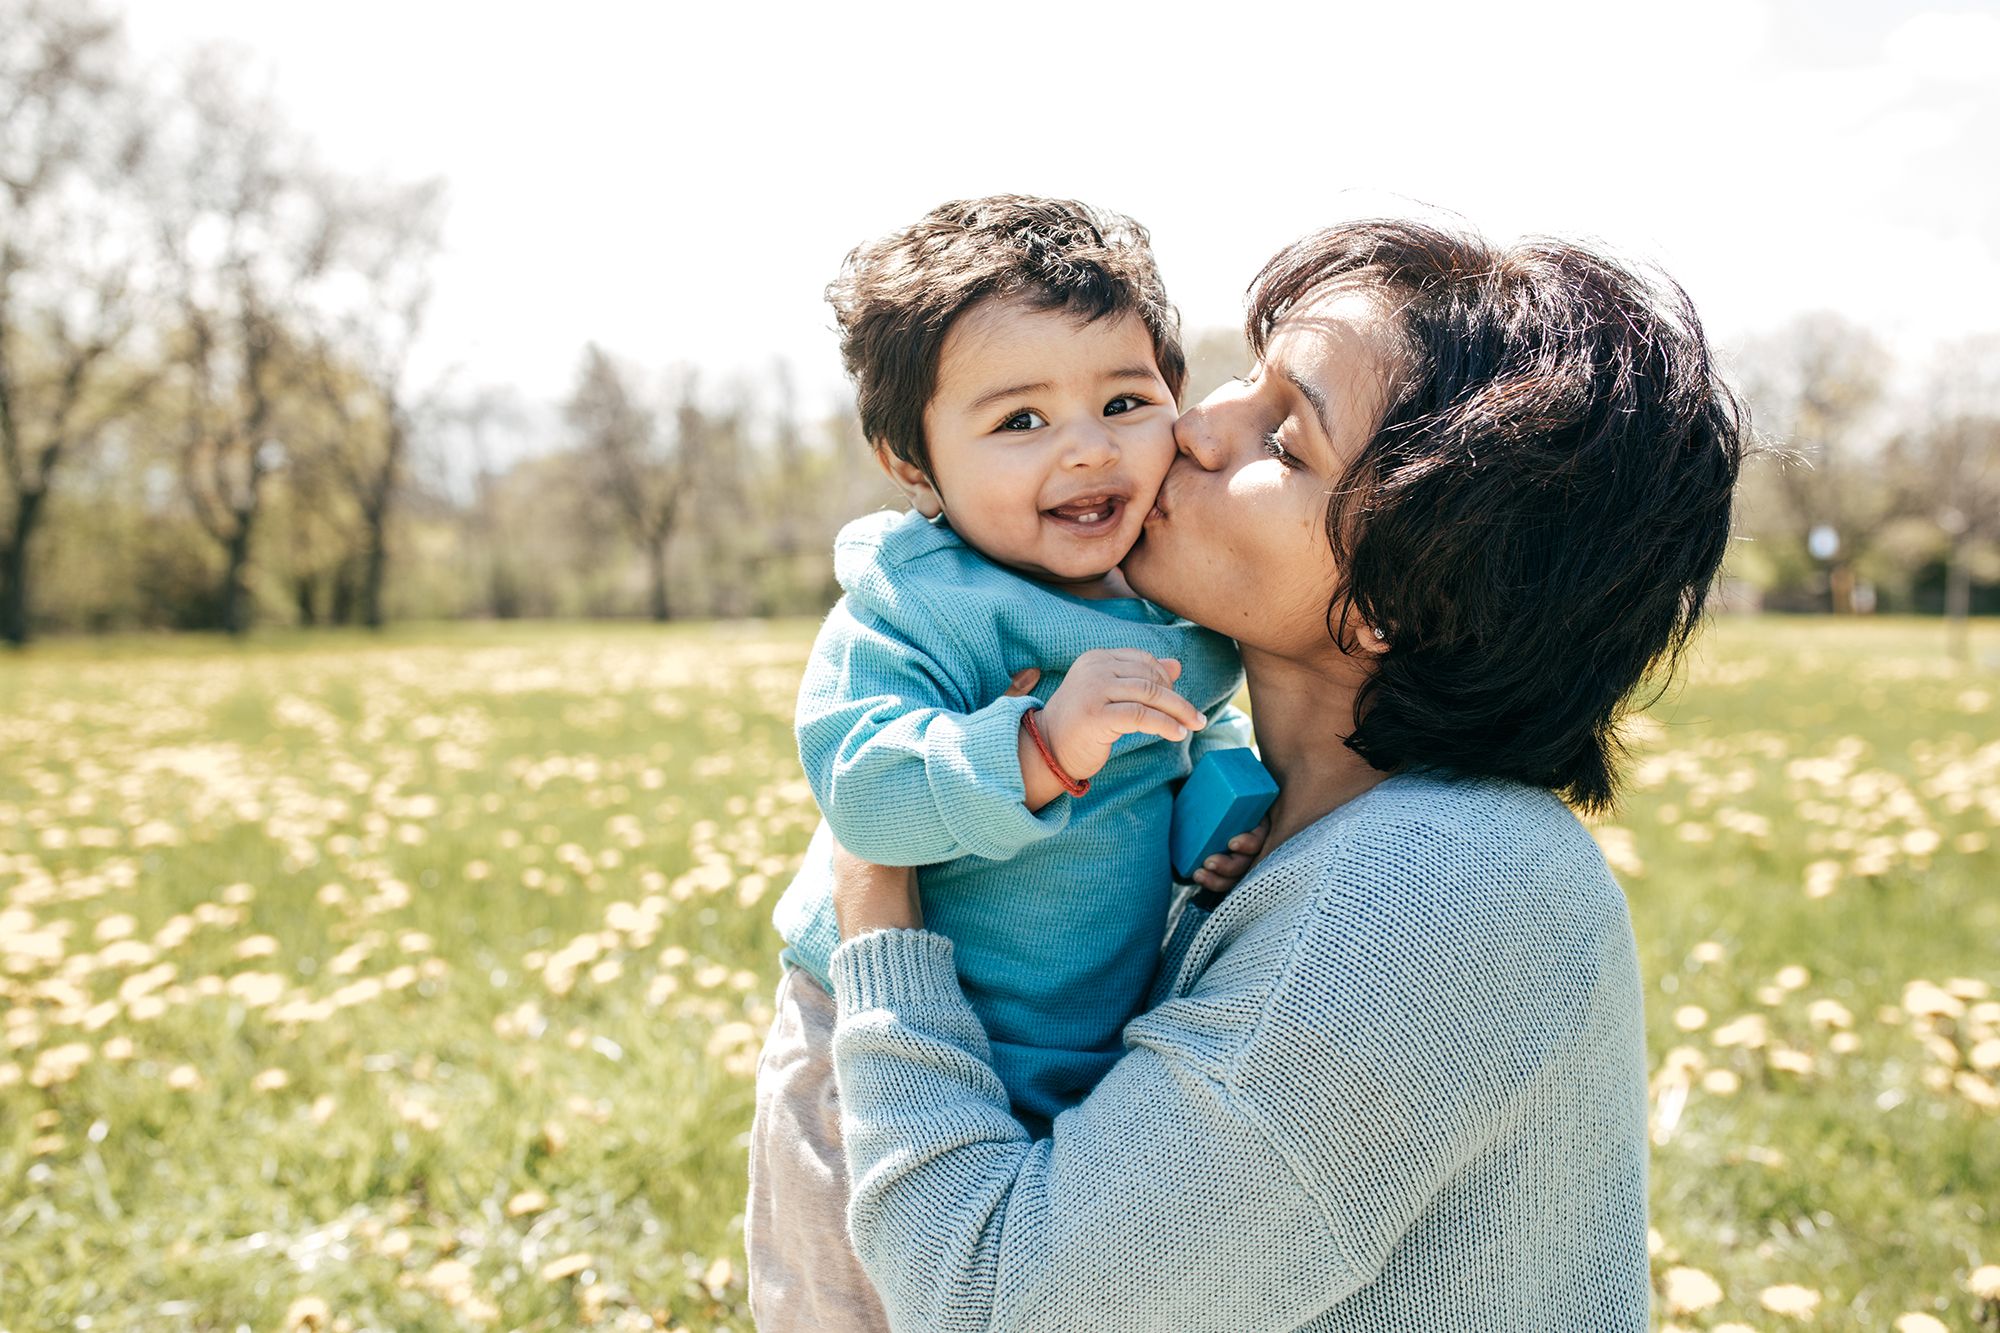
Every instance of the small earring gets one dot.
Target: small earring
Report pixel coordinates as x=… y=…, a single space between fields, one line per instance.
x=1380 y=637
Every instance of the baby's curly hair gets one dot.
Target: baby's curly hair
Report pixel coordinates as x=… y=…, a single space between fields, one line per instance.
x=896 y=298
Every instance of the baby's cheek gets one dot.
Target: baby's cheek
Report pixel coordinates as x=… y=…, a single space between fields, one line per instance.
x=1153 y=452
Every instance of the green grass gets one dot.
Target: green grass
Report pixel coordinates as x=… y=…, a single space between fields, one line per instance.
x=493 y=903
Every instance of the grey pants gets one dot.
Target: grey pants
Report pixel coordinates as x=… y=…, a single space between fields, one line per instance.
x=803 y=1272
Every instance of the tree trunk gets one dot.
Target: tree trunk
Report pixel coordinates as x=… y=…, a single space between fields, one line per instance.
x=305 y=592
x=1957 y=601
x=235 y=586
x=373 y=570
x=14 y=570
x=656 y=561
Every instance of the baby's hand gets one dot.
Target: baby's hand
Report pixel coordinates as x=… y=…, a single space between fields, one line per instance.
x=1113 y=692
x=1220 y=873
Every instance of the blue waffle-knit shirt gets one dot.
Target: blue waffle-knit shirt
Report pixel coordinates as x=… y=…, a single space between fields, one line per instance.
x=910 y=749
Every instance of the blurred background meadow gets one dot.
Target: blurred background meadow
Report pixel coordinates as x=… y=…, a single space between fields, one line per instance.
x=421 y=443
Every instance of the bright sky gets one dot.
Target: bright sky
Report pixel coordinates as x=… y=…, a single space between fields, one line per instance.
x=679 y=182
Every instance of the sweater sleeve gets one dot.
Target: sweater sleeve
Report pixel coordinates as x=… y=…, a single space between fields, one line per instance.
x=1156 y=1203
x=907 y=770
x=1370 y=1014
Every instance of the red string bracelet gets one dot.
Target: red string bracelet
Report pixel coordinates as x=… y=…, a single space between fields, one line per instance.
x=1069 y=784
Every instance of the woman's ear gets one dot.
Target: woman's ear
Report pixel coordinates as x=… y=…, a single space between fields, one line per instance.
x=911 y=480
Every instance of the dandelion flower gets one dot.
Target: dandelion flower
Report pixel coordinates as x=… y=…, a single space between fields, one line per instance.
x=1721 y=1082
x=526 y=1202
x=1789 y=1060
x=1917 y=1322
x=568 y=1266
x=1690 y=1017
x=1793 y=1302
x=1985 y=1282
x=270 y=1080
x=1749 y=1030
x=183 y=1078
x=307 y=1314
x=1925 y=1000
x=115 y=927
x=1689 y=1289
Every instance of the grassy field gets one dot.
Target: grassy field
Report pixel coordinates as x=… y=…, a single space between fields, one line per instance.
x=416 y=983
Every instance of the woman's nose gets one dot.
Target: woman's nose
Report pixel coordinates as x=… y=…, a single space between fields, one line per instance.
x=1197 y=436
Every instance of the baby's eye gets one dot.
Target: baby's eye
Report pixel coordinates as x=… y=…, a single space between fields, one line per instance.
x=1025 y=419
x=1123 y=403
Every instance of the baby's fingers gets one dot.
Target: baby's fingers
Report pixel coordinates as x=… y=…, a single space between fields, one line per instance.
x=1157 y=694
x=1129 y=716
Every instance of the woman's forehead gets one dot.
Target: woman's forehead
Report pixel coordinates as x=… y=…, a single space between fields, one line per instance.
x=1342 y=340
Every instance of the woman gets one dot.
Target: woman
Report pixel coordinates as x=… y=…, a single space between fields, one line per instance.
x=1468 y=501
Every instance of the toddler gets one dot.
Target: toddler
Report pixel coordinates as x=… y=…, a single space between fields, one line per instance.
x=1019 y=370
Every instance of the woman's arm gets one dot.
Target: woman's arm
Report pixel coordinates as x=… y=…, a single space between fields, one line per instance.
x=1156 y=1204
x=1359 y=1030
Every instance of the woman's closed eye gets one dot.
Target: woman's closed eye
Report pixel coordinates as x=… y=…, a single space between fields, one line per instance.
x=1277 y=450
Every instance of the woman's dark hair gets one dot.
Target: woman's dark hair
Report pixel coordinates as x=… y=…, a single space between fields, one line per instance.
x=1537 y=519
x=896 y=298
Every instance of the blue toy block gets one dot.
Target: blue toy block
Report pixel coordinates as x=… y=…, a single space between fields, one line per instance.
x=1227 y=794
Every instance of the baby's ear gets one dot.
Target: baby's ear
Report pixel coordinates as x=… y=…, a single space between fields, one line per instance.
x=910 y=479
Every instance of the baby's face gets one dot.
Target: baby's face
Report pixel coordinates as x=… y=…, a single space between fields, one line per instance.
x=1049 y=438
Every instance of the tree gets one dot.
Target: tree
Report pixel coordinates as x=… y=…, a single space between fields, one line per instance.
x=1819 y=389
x=1951 y=462
x=245 y=240
x=476 y=418
x=388 y=238
x=644 y=467
x=69 y=242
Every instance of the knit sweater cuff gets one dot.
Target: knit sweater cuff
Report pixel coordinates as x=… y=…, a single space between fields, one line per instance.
x=974 y=766
x=895 y=970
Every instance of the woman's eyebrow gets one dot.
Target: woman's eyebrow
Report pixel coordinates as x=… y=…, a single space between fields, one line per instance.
x=1312 y=394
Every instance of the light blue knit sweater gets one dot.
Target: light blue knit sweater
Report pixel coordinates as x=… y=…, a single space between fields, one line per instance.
x=912 y=755
x=1395 y=1083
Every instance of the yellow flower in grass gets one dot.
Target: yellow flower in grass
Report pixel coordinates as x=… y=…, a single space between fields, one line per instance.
x=307 y=1314
x=527 y=1201
x=568 y=1266
x=1791 y=1301
x=1687 y=1290
x=1985 y=1282
x=1918 y=1322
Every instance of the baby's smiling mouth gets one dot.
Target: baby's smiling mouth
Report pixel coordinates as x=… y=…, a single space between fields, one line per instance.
x=1087 y=515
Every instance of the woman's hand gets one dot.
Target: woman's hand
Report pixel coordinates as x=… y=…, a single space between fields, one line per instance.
x=1220 y=873
x=870 y=897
